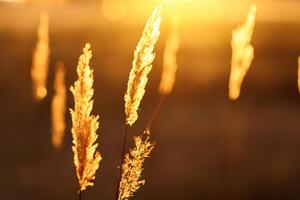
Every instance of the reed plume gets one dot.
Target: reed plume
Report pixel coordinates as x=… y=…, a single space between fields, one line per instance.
x=133 y=166
x=58 y=106
x=40 y=61
x=141 y=66
x=242 y=54
x=84 y=128
x=299 y=74
x=138 y=78
x=169 y=62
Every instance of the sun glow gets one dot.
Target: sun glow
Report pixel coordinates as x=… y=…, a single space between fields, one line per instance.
x=114 y=9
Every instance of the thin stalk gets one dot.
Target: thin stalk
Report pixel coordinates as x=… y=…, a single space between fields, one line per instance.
x=59 y=173
x=149 y=124
x=79 y=195
x=227 y=152
x=155 y=112
x=121 y=162
x=225 y=165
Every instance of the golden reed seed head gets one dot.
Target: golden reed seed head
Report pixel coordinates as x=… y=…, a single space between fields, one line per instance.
x=141 y=66
x=40 y=60
x=133 y=167
x=58 y=106
x=169 y=63
x=85 y=125
x=242 y=54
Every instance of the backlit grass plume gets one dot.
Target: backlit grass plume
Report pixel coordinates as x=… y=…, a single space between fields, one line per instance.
x=242 y=54
x=40 y=61
x=133 y=166
x=169 y=62
x=86 y=159
x=141 y=66
x=58 y=106
x=299 y=74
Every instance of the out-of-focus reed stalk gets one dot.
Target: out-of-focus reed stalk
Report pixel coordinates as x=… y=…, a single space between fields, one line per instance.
x=133 y=166
x=242 y=54
x=299 y=74
x=85 y=125
x=40 y=61
x=170 y=61
x=169 y=68
x=138 y=78
x=58 y=106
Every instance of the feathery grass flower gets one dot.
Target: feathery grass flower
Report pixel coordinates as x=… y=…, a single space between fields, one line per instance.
x=133 y=166
x=85 y=125
x=141 y=67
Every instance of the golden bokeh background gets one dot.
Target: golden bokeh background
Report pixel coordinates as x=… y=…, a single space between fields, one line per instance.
x=200 y=133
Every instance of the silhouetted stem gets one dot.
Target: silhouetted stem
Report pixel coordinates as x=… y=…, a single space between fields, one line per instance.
x=155 y=112
x=79 y=195
x=225 y=171
x=121 y=162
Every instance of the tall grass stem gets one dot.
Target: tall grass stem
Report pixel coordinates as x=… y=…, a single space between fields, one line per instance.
x=155 y=112
x=121 y=161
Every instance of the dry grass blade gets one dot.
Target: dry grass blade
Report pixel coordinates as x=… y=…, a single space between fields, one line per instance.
x=242 y=54
x=141 y=66
x=169 y=64
x=85 y=125
x=40 y=61
x=133 y=166
x=58 y=106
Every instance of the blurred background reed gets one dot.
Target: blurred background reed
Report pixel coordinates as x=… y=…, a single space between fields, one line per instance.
x=262 y=127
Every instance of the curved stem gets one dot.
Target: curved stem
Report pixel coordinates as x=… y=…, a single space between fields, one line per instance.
x=155 y=112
